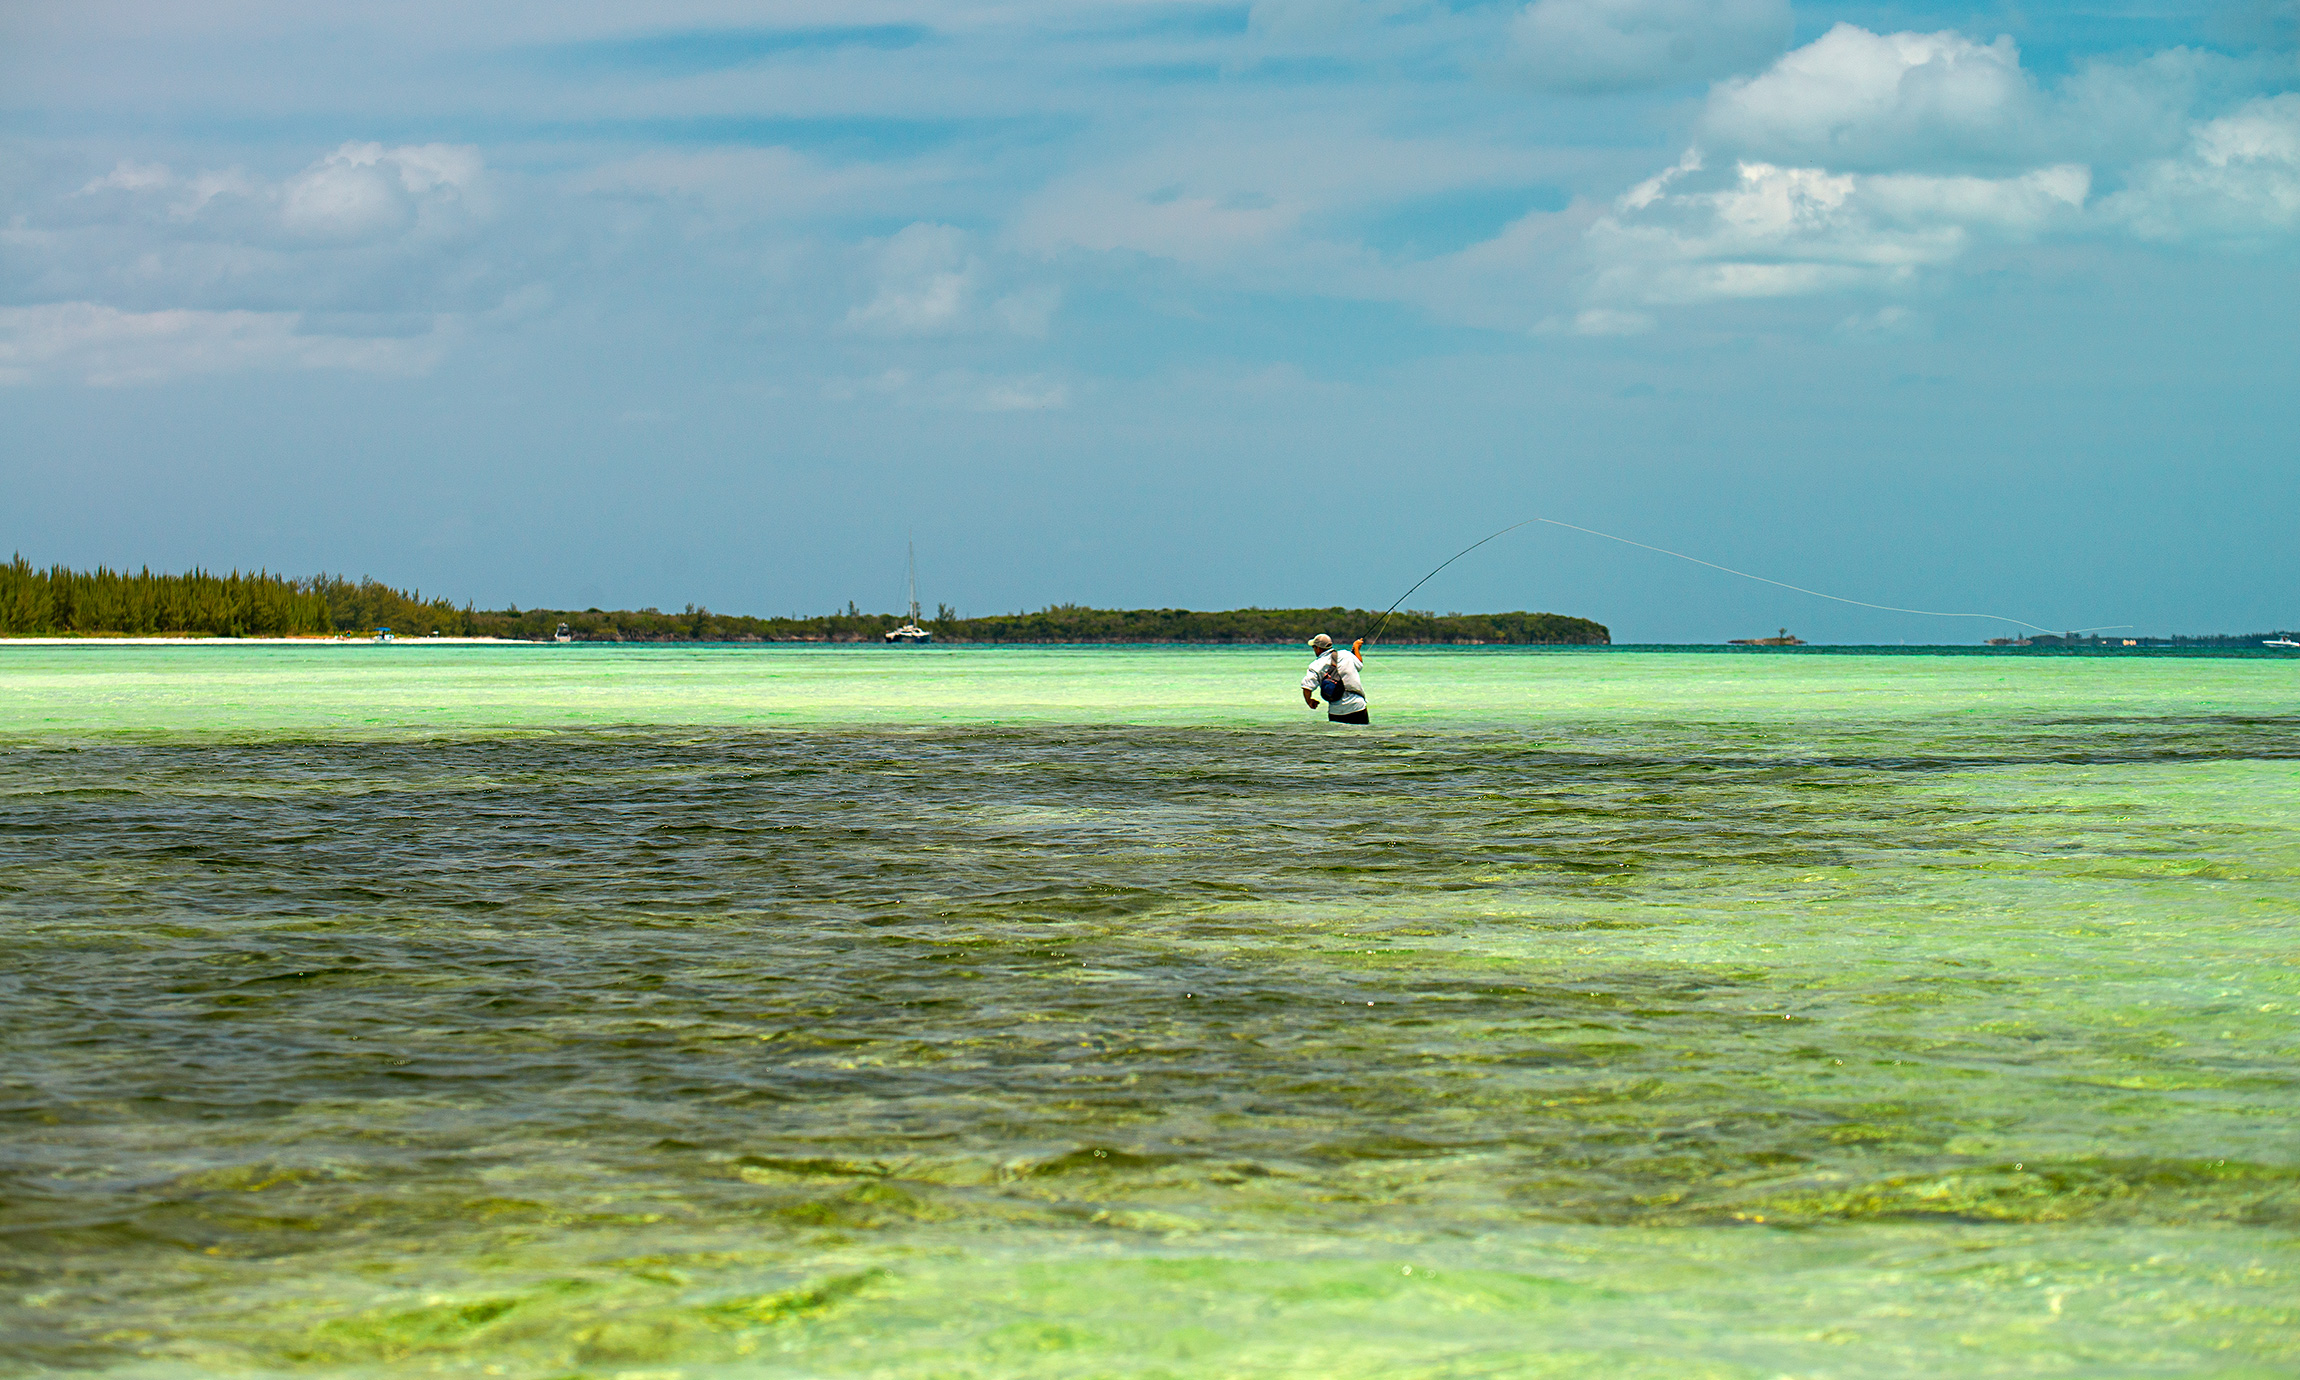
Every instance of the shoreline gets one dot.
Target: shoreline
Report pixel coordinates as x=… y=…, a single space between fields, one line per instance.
x=1712 y=648
x=102 y=640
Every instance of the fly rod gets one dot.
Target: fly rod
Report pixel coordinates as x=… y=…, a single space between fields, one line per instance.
x=1625 y=541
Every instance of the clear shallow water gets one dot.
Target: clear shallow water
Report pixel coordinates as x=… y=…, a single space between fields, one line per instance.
x=827 y=1012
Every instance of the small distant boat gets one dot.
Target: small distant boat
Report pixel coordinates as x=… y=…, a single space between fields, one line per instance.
x=2280 y=642
x=384 y=635
x=911 y=634
x=562 y=635
x=1784 y=640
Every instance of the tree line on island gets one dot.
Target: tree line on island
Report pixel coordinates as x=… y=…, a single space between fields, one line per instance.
x=103 y=602
x=60 y=602
x=1060 y=623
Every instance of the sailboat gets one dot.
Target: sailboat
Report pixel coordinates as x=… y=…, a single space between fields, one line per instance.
x=911 y=634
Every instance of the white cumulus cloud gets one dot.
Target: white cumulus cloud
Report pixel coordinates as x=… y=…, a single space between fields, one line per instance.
x=929 y=281
x=1771 y=231
x=1861 y=161
x=1617 y=45
x=364 y=191
x=2238 y=179
x=1855 y=99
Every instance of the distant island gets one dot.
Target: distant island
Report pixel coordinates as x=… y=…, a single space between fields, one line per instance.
x=1063 y=623
x=101 y=603
x=2206 y=640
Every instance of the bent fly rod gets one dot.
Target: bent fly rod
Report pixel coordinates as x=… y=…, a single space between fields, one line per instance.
x=1663 y=550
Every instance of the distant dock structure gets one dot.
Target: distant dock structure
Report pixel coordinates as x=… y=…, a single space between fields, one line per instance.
x=2077 y=639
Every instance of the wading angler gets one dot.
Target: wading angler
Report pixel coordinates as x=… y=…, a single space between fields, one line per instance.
x=1333 y=678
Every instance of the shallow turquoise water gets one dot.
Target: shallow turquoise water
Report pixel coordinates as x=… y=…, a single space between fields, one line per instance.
x=1101 y=1012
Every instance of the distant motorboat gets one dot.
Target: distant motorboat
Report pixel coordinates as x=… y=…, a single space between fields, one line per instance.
x=2280 y=642
x=911 y=634
x=1784 y=640
x=384 y=635
x=562 y=635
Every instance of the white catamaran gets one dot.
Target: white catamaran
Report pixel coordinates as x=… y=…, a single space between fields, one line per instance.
x=911 y=634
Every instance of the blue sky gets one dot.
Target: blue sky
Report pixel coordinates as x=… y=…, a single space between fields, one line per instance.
x=1955 y=306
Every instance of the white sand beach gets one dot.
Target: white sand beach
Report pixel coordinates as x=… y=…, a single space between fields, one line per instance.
x=100 y=641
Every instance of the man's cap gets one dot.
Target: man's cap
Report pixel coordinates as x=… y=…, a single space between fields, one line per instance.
x=1320 y=642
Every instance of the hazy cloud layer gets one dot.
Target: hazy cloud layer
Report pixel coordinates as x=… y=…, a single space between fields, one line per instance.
x=909 y=177
x=1623 y=45
x=142 y=273
x=84 y=342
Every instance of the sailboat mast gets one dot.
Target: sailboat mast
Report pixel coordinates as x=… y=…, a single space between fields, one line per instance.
x=913 y=546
